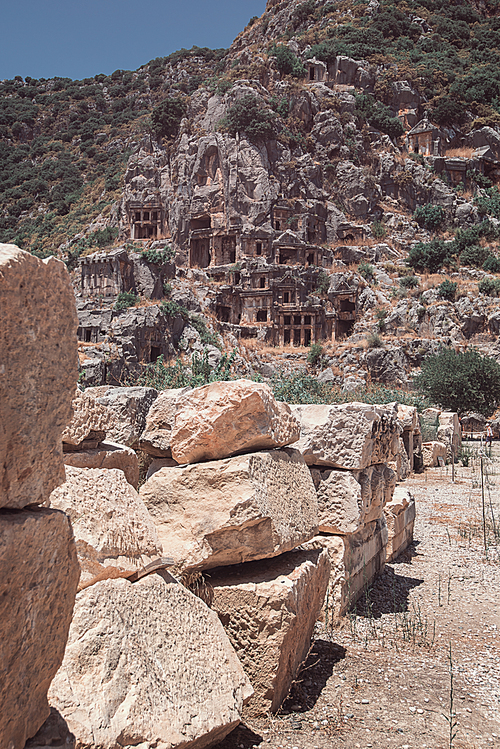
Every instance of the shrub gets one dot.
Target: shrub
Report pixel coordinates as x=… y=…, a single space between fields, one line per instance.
x=492 y=264
x=166 y=117
x=125 y=299
x=489 y=286
x=374 y=341
x=474 y=255
x=173 y=309
x=367 y=271
x=163 y=377
x=430 y=256
x=409 y=282
x=323 y=282
x=207 y=337
x=381 y=315
x=248 y=115
x=302 y=12
x=286 y=62
x=464 y=381
x=159 y=257
x=315 y=354
x=447 y=290
x=429 y=216
x=378 y=230
x=378 y=115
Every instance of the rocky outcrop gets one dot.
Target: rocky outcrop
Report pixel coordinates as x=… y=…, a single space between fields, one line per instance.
x=347 y=500
x=351 y=436
x=107 y=455
x=400 y=514
x=38 y=372
x=148 y=664
x=112 y=526
x=38 y=578
x=268 y=610
x=234 y=510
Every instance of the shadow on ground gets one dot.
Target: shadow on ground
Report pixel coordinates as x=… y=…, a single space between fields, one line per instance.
x=242 y=737
x=313 y=676
x=389 y=594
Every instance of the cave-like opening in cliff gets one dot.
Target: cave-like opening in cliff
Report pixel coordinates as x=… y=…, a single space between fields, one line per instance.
x=344 y=328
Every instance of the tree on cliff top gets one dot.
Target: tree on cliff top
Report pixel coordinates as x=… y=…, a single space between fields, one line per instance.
x=248 y=115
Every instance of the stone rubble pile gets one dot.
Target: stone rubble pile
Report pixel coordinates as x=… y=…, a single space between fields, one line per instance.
x=38 y=564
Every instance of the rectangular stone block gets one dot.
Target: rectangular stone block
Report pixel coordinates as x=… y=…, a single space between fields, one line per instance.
x=400 y=515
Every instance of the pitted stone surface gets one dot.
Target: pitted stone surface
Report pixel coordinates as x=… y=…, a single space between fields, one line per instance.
x=88 y=417
x=107 y=455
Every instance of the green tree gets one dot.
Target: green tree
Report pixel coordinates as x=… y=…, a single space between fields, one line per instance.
x=248 y=115
x=166 y=117
x=286 y=62
x=463 y=381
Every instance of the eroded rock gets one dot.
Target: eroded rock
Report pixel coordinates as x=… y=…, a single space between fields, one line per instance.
x=399 y=514
x=89 y=421
x=107 y=455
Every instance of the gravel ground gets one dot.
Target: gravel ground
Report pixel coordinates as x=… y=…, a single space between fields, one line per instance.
x=382 y=679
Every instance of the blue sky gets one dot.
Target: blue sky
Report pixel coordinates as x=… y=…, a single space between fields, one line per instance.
x=46 y=38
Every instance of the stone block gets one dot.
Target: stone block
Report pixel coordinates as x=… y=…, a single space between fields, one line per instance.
x=107 y=455
x=160 y=421
x=352 y=436
x=431 y=451
x=400 y=515
x=129 y=407
x=112 y=526
x=268 y=610
x=148 y=664
x=38 y=578
x=450 y=432
x=234 y=510
x=347 y=500
x=38 y=373
x=88 y=423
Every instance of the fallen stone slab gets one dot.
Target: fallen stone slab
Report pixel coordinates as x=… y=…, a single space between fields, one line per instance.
x=239 y=509
x=112 y=526
x=38 y=373
x=129 y=407
x=160 y=420
x=349 y=499
x=431 y=452
x=226 y=418
x=107 y=455
x=148 y=664
x=400 y=515
x=352 y=436
x=268 y=610
x=38 y=578
x=356 y=560
x=88 y=423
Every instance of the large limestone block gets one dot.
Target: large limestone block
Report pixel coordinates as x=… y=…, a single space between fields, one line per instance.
x=408 y=417
x=107 y=455
x=351 y=435
x=431 y=451
x=234 y=510
x=356 y=560
x=347 y=500
x=450 y=432
x=89 y=421
x=226 y=418
x=400 y=463
x=269 y=609
x=128 y=407
x=160 y=421
x=148 y=664
x=400 y=515
x=38 y=578
x=38 y=373
x=112 y=526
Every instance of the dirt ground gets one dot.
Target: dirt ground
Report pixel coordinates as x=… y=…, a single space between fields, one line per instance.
x=382 y=679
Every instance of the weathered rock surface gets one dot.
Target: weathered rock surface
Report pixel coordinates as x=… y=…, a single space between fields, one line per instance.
x=38 y=372
x=129 y=407
x=89 y=420
x=239 y=509
x=148 y=664
x=112 y=526
x=160 y=421
x=400 y=514
x=346 y=500
x=226 y=418
x=431 y=451
x=38 y=578
x=107 y=455
x=268 y=609
x=351 y=435
x=450 y=432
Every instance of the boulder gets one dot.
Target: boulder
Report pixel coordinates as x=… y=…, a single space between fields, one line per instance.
x=38 y=373
x=399 y=514
x=356 y=560
x=352 y=436
x=88 y=425
x=38 y=578
x=129 y=407
x=160 y=421
x=226 y=418
x=431 y=451
x=346 y=500
x=234 y=510
x=148 y=664
x=268 y=610
x=107 y=455
x=112 y=526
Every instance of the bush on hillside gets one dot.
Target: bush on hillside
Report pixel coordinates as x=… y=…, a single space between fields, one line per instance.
x=125 y=299
x=430 y=256
x=429 y=216
x=489 y=286
x=409 y=282
x=475 y=255
x=166 y=117
x=249 y=116
x=492 y=264
x=463 y=381
x=447 y=290
x=286 y=62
